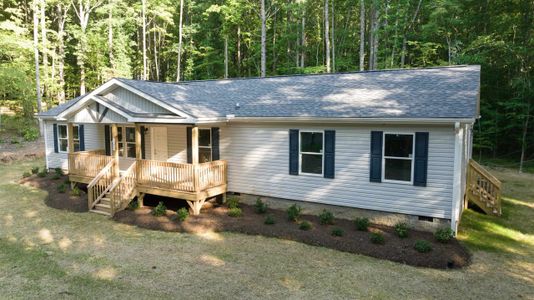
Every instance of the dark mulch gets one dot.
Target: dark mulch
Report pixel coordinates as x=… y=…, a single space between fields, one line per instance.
x=55 y=199
x=214 y=217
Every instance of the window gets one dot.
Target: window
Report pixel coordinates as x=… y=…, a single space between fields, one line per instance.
x=125 y=137
x=398 y=157
x=311 y=152
x=204 y=145
x=63 y=138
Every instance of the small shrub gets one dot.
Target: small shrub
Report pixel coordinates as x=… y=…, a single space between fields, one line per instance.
x=182 y=214
x=14 y=141
x=30 y=133
x=326 y=217
x=35 y=170
x=56 y=176
x=232 y=202
x=305 y=225
x=58 y=171
x=362 y=224
x=337 y=232
x=269 y=220
x=293 y=212
x=41 y=174
x=67 y=181
x=76 y=191
x=133 y=205
x=444 y=235
x=26 y=174
x=402 y=229
x=62 y=188
x=422 y=246
x=260 y=206
x=235 y=212
x=159 y=210
x=377 y=238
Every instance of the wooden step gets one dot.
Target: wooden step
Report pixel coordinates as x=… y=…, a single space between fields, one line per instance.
x=106 y=201
x=103 y=206
x=100 y=212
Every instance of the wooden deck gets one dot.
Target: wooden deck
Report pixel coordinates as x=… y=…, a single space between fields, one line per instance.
x=483 y=189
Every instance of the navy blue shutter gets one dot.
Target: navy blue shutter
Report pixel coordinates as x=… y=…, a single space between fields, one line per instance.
x=81 y=136
x=293 y=152
x=107 y=140
x=329 y=153
x=142 y=128
x=56 y=149
x=420 y=159
x=189 y=144
x=215 y=154
x=375 y=170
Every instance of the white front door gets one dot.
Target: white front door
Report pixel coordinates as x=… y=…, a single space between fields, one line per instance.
x=159 y=143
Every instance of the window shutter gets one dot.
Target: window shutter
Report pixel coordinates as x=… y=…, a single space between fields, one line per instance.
x=107 y=137
x=375 y=170
x=215 y=154
x=142 y=128
x=189 y=145
x=56 y=147
x=329 y=153
x=420 y=159
x=293 y=152
x=81 y=136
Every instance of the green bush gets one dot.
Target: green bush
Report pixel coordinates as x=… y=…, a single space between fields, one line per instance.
x=35 y=170
x=260 y=206
x=377 y=238
x=62 y=188
x=269 y=220
x=14 y=141
x=235 y=212
x=293 y=212
x=326 y=217
x=305 y=225
x=67 y=181
x=362 y=224
x=444 y=235
x=422 y=246
x=56 y=176
x=232 y=202
x=76 y=191
x=159 y=210
x=30 y=133
x=402 y=229
x=42 y=174
x=26 y=174
x=133 y=205
x=337 y=232
x=59 y=171
x=182 y=214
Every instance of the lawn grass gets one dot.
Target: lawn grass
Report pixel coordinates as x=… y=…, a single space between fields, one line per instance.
x=48 y=253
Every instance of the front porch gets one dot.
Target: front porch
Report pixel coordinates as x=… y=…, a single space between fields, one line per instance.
x=113 y=181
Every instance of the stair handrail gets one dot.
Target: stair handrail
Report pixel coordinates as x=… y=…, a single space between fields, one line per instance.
x=480 y=193
x=90 y=187
x=117 y=183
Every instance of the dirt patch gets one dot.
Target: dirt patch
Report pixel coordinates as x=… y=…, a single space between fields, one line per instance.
x=215 y=218
x=12 y=149
x=55 y=199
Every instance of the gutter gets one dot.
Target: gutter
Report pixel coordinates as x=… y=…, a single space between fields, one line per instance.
x=233 y=119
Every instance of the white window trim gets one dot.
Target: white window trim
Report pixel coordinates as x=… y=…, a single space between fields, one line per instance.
x=312 y=153
x=384 y=157
x=206 y=147
x=59 y=138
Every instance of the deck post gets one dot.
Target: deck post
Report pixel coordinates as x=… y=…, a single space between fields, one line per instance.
x=115 y=148
x=138 y=160
x=70 y=136
x=194 y=156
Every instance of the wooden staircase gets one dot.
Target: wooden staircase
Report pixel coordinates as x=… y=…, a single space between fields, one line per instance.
x=483 y=189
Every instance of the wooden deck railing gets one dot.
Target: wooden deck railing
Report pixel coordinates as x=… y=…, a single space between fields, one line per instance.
x=87 y=163
x=122 y=190
x=211 y=174
x=100 y=185
x=483 y=189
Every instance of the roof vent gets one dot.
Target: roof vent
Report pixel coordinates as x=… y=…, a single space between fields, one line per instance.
x=237 y=105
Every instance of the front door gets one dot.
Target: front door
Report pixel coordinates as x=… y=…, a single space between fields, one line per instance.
x=159 y=143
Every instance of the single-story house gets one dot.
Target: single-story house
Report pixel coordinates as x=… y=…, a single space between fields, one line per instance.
x=395 y=141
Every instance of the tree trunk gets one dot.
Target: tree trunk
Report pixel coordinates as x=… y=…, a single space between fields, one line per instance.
x=263 y=39
x=274 y=58
x=143 y=13
x=362 y=35
x=524 y=141
x=155 y=46
x=62 y=17
x=333 y=39
x=327 y=37
x=303 y=43
x=44 y=44
x=239 y=50
x=110 y=36
x=405 y=38
x=226 y=57
x=371 y=37
x=36 y=57
x=179 y=66
x=375 y=26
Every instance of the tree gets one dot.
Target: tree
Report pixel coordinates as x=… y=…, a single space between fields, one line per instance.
x=180 y=28
x=362 y=35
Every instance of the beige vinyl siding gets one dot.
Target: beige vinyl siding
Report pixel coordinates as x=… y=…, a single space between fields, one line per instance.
x=258 y=163
x=133 y=102
x=94 y=139
x=176 y=142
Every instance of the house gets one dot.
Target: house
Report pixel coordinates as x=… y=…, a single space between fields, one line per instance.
x=395 y=141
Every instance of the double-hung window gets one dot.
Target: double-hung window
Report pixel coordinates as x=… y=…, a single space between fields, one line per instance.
x=204 y=145
x=398 y=157
x=311 y=145
x=63 y=138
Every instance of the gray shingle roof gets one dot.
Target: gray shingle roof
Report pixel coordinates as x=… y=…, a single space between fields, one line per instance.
x=54 y=111
x=444 y=92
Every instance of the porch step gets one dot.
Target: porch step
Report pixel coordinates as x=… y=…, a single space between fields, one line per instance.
x=100 y=212
x=103 y=206
x=105 y=200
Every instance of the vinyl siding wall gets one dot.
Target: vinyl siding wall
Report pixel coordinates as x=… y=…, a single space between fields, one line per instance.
x=258 y=163
x=176 y=143
x=133 y=102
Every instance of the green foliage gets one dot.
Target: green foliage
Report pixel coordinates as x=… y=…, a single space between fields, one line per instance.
x=66 y=181
x=377 y=238
x=30 y=134
x=402 y=230
x=326 y=217
x=232 y=202
x=362 y=224
x=42 y=174
x=58 y=171
x=35 y=170
x=269 y=220
x=62 y=188
x=444 y=235
x=56 y=176
x=305 y=225
x=76 y=191
x=26 y=174
x=260 y=206
x=422 y=246
x=235 y=212
x=159 y=210
x=337 y=232
x=182 y=214
x=133 y=205
x=293 y=212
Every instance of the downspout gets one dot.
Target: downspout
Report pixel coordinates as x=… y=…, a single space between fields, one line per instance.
x=457 y=177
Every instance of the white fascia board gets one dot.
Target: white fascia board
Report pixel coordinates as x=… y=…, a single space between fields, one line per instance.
x=415 y=121
x=81 y=103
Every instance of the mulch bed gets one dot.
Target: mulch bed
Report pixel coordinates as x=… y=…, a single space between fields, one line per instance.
x=215 y=217
x=55 y=199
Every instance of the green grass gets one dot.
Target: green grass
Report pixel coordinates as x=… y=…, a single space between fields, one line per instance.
x=48 y=253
